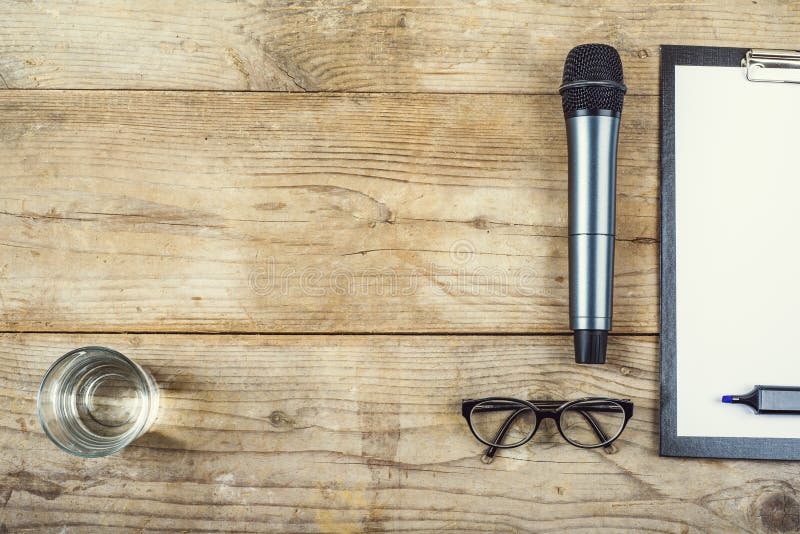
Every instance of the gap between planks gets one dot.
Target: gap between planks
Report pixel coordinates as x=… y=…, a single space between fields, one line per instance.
x=311 y=333
x=300 y=93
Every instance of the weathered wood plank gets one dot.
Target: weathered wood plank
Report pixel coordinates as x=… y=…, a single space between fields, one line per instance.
x=354 y=433
x=340 y=45
x=194 y=211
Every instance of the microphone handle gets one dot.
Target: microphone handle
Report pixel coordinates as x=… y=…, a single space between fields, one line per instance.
x=592 y=142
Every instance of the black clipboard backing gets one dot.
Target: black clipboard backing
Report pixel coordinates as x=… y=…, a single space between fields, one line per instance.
x=671 y=443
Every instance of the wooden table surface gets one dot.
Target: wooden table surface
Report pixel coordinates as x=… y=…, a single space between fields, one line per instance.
x=321 y=225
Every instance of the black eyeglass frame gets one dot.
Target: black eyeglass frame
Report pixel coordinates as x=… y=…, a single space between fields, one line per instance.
x=543 y=409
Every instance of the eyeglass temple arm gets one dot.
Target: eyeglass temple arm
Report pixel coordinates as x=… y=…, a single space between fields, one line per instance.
x=597 y=430
x=488 y=455
x=499 y=407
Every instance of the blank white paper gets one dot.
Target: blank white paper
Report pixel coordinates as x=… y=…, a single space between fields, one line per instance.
x=737 y=213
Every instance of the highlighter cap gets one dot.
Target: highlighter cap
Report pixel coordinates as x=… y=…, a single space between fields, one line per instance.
x=590 y=346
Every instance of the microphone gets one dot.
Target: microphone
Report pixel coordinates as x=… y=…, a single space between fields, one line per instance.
x=592 y=91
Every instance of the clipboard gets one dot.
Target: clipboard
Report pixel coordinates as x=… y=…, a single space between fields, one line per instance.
x=728 y=143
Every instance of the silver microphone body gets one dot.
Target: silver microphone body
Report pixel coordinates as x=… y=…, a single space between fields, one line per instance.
x=592 y=144
x=592 y=93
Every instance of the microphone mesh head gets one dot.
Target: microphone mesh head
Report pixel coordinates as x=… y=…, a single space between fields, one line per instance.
x=592 y=62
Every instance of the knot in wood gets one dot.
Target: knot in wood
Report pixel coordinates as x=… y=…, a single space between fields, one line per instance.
x=280 y=419
x=780 y=512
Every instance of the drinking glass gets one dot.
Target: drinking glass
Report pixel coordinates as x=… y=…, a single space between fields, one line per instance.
x=94 y=401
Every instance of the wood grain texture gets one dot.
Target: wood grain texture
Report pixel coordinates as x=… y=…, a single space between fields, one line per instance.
x=362 y=211
x=364 y=433
x=245 y=212
x=344 y=45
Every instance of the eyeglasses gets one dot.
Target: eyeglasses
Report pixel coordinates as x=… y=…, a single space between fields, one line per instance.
x=505 y=422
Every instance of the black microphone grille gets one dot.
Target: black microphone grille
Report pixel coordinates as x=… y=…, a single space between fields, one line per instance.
x=592 y=63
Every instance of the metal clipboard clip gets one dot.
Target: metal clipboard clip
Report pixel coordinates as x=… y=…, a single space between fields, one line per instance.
x=762 y=65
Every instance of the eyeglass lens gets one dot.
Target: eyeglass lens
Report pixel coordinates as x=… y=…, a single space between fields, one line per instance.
x=504 y=423
x=592 y=422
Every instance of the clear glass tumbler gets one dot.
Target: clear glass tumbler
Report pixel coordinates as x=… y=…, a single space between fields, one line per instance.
x=94 y=401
